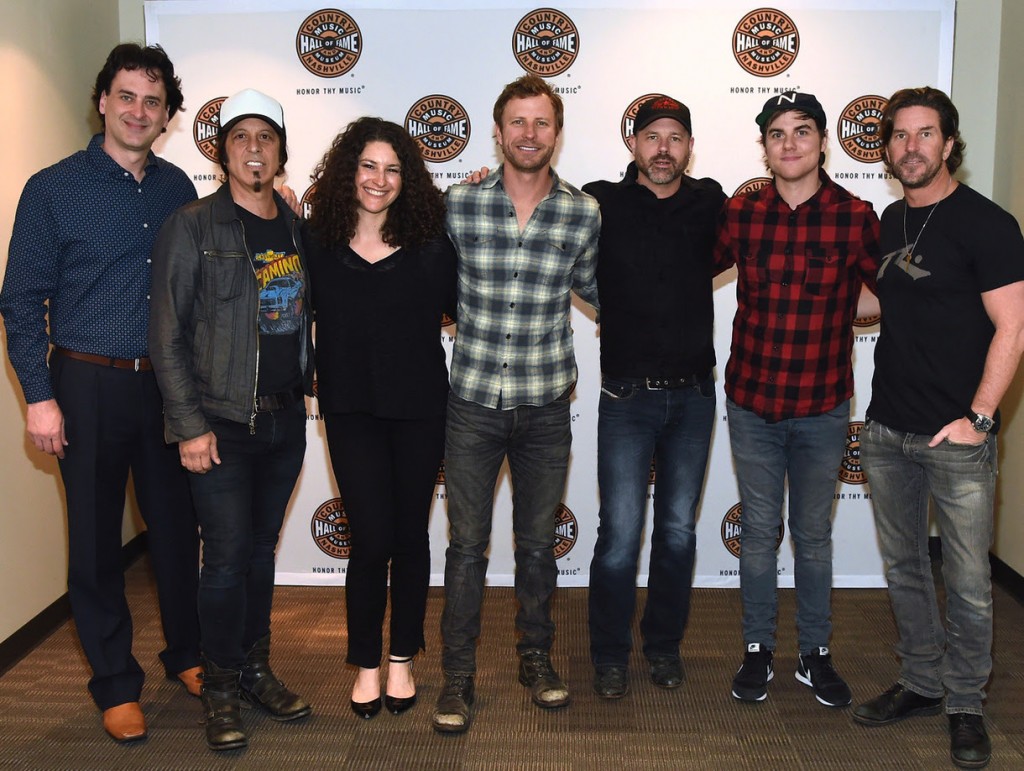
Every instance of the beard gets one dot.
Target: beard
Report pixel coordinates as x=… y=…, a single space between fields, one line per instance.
x=531 y=163
x=922 y=177
x=663 y=175
x=257 y=183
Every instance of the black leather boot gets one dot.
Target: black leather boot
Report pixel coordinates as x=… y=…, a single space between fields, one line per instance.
x=222 y=717
x=260 y=686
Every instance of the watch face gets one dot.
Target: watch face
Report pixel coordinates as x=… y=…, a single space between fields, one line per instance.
x=983 y=423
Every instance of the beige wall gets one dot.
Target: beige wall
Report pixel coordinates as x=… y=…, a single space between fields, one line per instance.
x=1008 y=191
x=50 y=51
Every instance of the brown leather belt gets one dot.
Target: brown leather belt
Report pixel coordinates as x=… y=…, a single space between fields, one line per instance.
x=139 y=365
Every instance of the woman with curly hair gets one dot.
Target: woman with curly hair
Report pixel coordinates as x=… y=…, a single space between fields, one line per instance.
x=383 y=273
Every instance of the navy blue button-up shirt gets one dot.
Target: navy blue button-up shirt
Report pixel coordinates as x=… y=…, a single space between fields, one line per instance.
x=81 y=243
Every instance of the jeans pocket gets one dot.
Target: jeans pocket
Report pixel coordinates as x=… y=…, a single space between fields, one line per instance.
x=617 y=389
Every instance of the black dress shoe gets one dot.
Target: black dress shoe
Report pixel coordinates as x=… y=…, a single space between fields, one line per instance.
x=898 y=703
x=366 y=709
x=969 y=745
x=398 y=704
x=611 y=682
x=666 y=671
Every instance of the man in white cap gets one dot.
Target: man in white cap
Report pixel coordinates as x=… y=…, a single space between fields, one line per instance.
x=233 y=394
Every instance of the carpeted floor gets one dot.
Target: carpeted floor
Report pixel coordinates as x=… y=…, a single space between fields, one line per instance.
x=47 y=720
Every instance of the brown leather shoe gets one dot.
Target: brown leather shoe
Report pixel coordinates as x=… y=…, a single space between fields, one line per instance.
x=190 y=678
x=125 y=722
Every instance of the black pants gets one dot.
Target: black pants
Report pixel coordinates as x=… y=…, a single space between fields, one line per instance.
x=386 y=472
x=113 y=421
x=241 y=505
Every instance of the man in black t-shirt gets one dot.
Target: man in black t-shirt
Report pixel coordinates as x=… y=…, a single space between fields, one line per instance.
x=951 y=288
x=230 y=342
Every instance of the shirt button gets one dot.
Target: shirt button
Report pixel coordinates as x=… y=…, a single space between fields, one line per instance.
x=145 y=224
x=505 y=365
x=508 y=336
x=148 y=261
x=516 y=274
x=511 y=305
x=520 y=243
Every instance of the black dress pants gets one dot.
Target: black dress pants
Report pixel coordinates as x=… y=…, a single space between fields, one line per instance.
x=386 y=472
x=113 y=421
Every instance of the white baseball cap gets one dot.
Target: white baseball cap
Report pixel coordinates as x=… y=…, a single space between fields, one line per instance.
x=250 y=103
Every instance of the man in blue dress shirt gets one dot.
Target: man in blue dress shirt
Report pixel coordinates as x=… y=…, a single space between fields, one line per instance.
x=80 y=250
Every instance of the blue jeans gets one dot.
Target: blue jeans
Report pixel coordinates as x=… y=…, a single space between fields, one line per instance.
x=536 y=441
x=240 y=505
x=635 y=424
x=904 y=472
x=808 y=452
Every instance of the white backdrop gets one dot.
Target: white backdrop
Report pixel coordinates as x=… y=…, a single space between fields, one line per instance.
x=437 y=68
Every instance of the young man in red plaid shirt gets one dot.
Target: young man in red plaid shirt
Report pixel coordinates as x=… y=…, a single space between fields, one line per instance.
x=802 y=247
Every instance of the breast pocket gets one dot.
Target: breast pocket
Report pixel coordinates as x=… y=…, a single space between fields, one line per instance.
x=825 y=270
x=771 y=266
x=225 y=273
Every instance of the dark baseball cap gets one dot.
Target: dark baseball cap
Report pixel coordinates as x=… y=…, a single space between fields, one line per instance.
x=788 y=101
x=661 y=107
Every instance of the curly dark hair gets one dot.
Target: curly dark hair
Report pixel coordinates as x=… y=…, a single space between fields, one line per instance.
x=152 y=59
x=926 y=96
x=416 y=216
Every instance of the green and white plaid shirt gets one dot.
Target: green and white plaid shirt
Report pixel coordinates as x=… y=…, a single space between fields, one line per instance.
x=514 y=342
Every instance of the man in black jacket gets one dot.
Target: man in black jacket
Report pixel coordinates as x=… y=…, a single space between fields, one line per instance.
x=657 y=392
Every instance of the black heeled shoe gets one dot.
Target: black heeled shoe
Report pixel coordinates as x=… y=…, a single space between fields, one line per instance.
x=398 y=704
x=366 y=709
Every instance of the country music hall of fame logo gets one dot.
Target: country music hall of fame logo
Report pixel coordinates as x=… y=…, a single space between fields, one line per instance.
x=752 y=186
x=440 y=126
x=850 y=471
x=765 y=42
x=732 y=530
x=545 y=42
x=859 y=128
x=629 y=116
x=566 y=530
x=329 y=43
x=205 y=128
x=330 y=531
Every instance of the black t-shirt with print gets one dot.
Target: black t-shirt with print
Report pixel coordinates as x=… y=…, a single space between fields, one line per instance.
x=282 y=294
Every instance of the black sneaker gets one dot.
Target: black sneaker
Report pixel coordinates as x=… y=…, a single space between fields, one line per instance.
x=546 y=688
x=452 y=712
x=815 y=669
x=969 y=745
x=751 y=680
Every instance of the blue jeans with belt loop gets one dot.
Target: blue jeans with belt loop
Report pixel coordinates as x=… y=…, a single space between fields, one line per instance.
x=904 y=472
x=807 y=451
x=635 y=423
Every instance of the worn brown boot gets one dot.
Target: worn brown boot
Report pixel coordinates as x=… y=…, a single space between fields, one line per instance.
x=222 y=713
x=260 y=686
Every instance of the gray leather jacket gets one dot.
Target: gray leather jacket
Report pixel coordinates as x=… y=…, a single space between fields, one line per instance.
x=204 y=309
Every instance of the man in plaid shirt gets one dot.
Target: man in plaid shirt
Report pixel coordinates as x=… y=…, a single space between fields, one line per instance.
x=525 y=240
x=802 y=247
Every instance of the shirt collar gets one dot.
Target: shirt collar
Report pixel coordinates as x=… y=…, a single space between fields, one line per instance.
x=825 y=194
x=557 y=186
x=104 y=163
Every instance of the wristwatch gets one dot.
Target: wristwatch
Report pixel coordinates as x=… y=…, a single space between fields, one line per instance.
x=981 y=423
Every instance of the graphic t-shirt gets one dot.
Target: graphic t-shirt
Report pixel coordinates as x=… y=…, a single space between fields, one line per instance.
x=282 y=294
x=935 y=330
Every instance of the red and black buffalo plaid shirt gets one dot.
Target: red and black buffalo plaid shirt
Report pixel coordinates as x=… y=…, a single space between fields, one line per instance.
x=799 y=277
